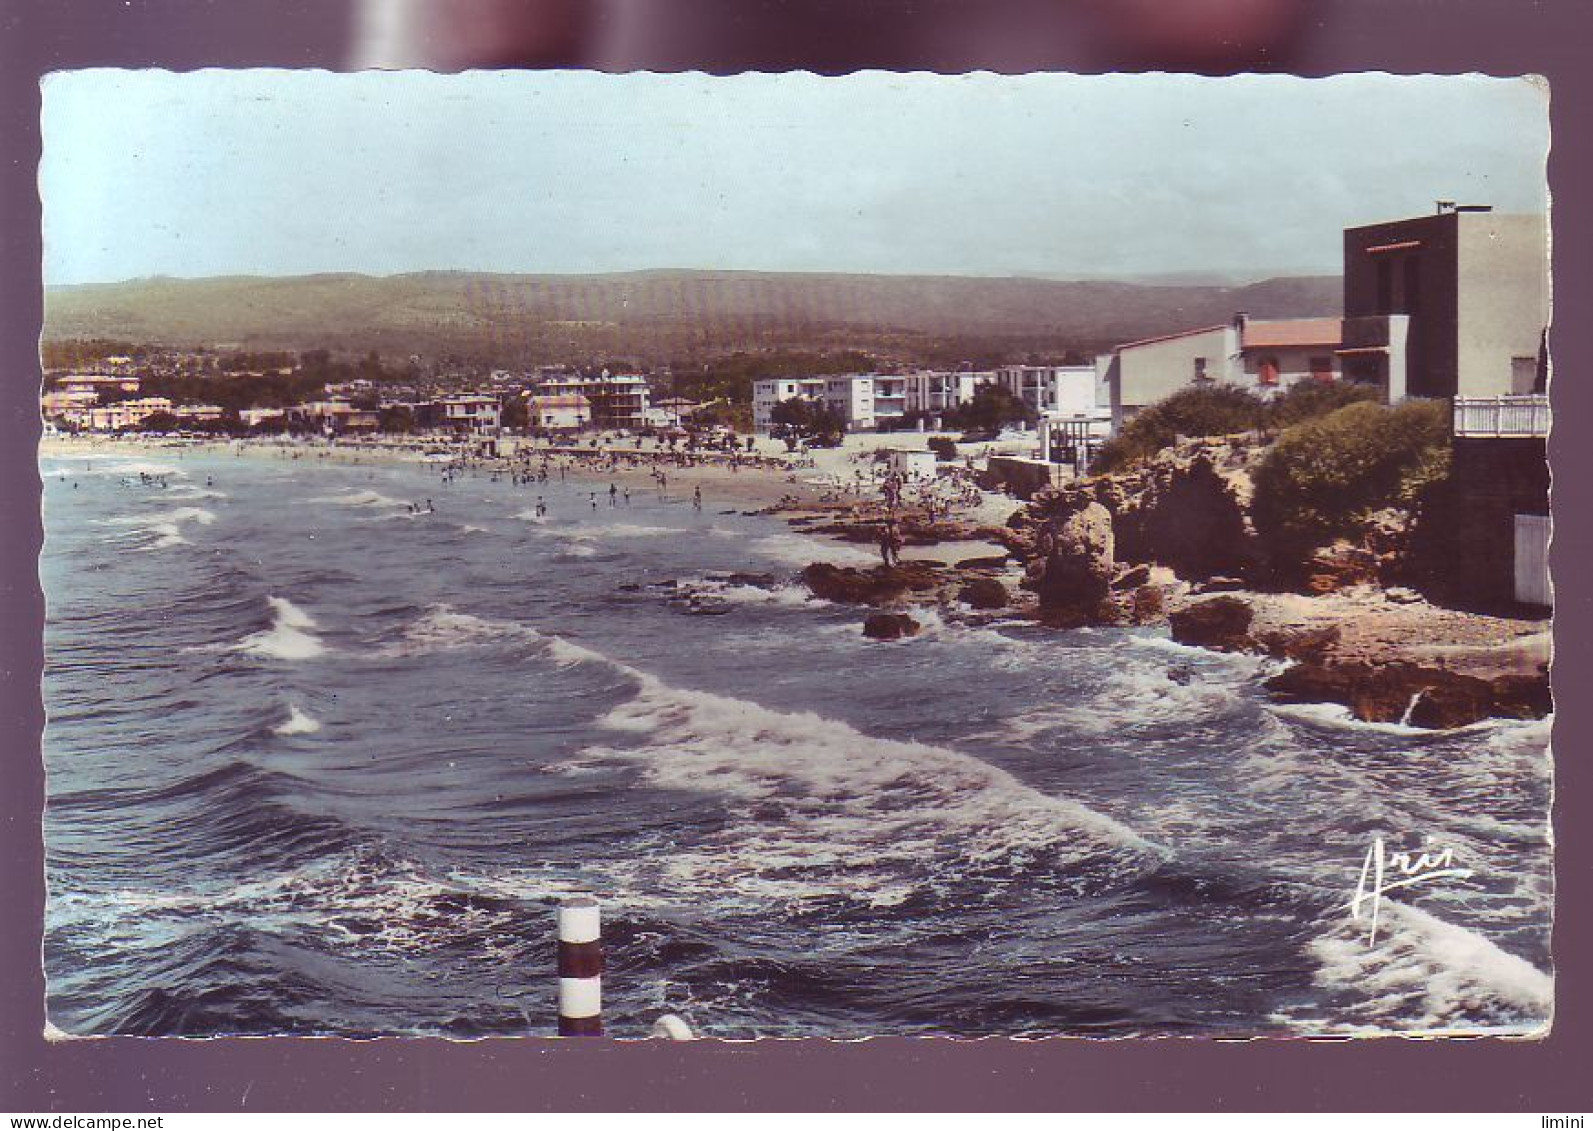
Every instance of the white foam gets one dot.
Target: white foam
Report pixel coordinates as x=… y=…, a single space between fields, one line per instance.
x=444 y=629
x=297 y=723
x=803 y=549
x=1338 y=715
x=633 y=530
x=366 y=498
x=1135 y=693
x=787 y=596
x=837 y=812
x=124 y=467
x=1425 y=974
x=165 y=527
x=289 y=637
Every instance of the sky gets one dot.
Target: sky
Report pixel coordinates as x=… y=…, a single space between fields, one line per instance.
x=298 y=172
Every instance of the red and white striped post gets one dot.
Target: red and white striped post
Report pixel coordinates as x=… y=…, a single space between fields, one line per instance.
x=580 y=968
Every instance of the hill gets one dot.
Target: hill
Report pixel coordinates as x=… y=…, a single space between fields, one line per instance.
x=655 y=317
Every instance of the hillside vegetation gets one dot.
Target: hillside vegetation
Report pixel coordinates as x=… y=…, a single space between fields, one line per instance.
x=661 y=317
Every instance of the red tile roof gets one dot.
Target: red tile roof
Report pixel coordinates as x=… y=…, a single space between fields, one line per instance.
x=1293 y=332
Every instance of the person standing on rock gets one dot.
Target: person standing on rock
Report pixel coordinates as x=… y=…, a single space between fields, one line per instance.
x=890 y=545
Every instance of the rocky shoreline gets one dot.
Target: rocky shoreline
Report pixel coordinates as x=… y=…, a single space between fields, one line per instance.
x=1171 y=544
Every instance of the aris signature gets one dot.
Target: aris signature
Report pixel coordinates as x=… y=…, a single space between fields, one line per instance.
x=1385 y=871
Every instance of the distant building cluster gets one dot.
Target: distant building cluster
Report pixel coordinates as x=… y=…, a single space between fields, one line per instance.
x=555 y=400
x=1452 y=304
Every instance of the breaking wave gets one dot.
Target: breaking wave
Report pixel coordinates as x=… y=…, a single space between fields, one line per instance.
x=290 y=636
x=166 y=527
x=297 y=723
x=1425 y=975
x=831 y=811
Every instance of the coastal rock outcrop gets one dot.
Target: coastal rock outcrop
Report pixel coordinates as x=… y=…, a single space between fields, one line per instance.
x=1221 y=623
x=890 y=626
x=984 y=593
x=1412 y=693
x=1342 y=565
x=1188 y=512
x=1188 y=509
x=879 y=585
x=1073 y=573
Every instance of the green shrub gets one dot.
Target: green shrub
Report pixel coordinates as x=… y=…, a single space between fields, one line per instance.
x=1210 y=410
x=1308 y=400
x=944 y=447
x=1324 y=476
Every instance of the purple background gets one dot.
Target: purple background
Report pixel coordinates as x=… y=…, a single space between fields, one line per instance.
x=129 y=1074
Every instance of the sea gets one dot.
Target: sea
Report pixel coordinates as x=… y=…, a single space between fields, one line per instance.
x=328 y=742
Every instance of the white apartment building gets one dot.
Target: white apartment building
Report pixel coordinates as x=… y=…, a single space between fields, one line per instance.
x=565 y=411
x=1065 y=390
x=477 y=413
x=126 y=414
x=934 y=391
x=617 y=400
x=766 y=394
x=864 y=400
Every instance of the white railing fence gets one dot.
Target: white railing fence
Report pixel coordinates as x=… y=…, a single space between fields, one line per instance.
x=1520 y=415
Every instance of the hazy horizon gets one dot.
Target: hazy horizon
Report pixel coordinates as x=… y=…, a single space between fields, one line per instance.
x=1152 y=278
x=287 y=173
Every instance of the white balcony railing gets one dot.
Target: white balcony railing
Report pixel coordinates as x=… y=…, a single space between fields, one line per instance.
x=1506 y=416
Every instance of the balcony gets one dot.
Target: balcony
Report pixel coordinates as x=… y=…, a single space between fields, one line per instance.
x=1521 y=416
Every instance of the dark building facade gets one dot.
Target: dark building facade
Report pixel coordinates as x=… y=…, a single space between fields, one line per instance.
x=1452 y=304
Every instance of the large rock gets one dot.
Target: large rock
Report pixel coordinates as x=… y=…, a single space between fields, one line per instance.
x=1340 y=566
x=1222 y=623
x=984 y=593
x=1075 y=573
x=1188 y=513
x=877 y=586
x=1299 y=643
x=1148 y=605
x=890 y=626
x=1413 y=694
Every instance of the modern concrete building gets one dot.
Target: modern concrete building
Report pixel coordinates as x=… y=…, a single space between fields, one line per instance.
x=863 y=400
x=477 y=414
x=936 y=391
x=618 y=400
x=1452 y=304
x=126 y=414
x=560 y=412
x=768 y=393
x=1068 y=390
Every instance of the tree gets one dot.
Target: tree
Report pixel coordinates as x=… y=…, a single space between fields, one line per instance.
x=1323 y=477
x=396 y=418
x=991 y=409
x=802 y=418
x=1199 y=410
x=516 y=415
x=156 y=422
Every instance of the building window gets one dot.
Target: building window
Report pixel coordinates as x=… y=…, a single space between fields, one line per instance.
x=1268 y=371
x=1322 y=368
x=1200 y=369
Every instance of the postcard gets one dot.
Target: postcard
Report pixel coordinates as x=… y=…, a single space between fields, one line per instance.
x=782 y=556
